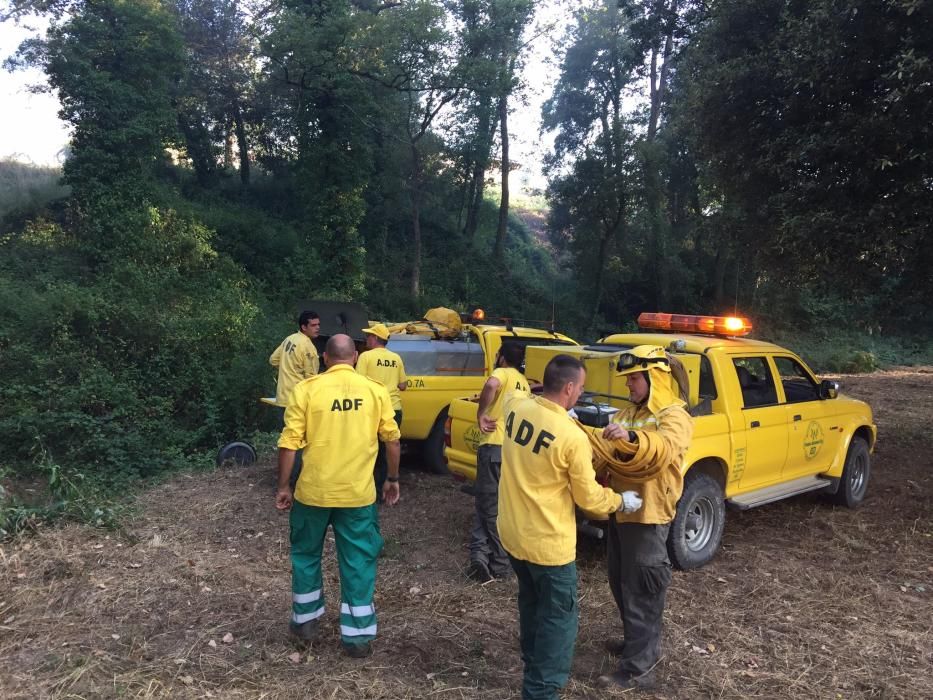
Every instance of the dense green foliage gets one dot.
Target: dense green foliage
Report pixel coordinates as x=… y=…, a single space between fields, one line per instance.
x=814 y=121
x=230 y=158
x=779 y=161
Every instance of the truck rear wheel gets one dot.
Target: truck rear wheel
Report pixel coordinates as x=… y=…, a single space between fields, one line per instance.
x=432 y=450
x=696 y=530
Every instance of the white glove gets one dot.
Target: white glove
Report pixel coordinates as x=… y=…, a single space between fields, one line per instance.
x=631 y=501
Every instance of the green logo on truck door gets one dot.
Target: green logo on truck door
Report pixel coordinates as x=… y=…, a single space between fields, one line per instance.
x=813 y=440
x=472 y=437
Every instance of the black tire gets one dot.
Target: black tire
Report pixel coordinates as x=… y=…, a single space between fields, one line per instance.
x=853 y=485
x=696 y=530
x=239 y=453
x=432 y=449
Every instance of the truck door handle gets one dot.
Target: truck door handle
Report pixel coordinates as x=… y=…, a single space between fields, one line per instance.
x=755 y=424
x=797 y=417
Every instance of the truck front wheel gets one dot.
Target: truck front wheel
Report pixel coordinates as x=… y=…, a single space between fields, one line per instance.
x=432 y=450
x=854 y=482
x=696 y=530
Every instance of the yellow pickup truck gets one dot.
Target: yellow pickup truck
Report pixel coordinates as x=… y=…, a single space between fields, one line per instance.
x=443 y=365
x=765 y=427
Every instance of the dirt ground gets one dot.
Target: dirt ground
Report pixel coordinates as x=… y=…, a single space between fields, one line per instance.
x=192 y=598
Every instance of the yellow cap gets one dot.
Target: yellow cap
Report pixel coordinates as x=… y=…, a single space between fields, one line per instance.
x=379 y=330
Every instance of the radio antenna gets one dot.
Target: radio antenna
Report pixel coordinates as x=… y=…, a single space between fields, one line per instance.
x=735 y=307
x=554 y=304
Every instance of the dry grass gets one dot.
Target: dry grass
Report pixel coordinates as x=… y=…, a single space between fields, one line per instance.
x=804 y=600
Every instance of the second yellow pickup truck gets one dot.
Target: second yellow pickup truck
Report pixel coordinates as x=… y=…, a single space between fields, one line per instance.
x=765 y=427
x=444 y=362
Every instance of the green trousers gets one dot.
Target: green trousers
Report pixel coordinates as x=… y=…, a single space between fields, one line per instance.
x=548 y=618
x=358 y=540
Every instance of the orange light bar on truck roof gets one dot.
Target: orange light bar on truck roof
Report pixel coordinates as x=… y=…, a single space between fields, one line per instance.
x=479 y=315
x=710 y=325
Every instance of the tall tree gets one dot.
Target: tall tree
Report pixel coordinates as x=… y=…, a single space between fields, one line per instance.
x=115 y=65
x=814 y=121
x=474 y=125
x=491 y=35
x=318 y=117
x=660 y=30
x=512 y=18
x=591 y=188
x=218 y=83
x=409 y=53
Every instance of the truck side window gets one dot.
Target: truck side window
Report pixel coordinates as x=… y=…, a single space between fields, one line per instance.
x=797 y=383
x=429 y=357
x=707 y=388
x=756 y=381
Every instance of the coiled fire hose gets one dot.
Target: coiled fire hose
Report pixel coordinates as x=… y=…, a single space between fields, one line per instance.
x=638 y=462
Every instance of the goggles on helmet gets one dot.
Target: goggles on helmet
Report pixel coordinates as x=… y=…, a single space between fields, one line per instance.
x=627 y=361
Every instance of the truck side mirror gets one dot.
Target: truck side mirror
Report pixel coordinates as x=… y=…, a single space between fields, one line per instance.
x=829 y=389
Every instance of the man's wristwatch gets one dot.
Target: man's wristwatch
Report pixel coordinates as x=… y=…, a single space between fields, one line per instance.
x=393 y=479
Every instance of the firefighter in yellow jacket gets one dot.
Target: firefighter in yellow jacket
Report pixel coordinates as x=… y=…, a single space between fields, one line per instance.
x=339 y=416
x=488 y=559
x=642 y=450
x=296 y=359
x=387 y=368
x=547 y=467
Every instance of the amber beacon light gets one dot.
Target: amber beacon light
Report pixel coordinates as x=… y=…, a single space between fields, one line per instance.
x=711 y=325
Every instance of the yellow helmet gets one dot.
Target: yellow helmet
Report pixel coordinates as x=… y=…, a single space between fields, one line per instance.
x=640 y=358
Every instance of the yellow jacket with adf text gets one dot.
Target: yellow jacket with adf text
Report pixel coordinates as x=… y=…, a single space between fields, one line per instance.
x=387 y=368
x=547 y=467
x=510 y=379
x=338 y=417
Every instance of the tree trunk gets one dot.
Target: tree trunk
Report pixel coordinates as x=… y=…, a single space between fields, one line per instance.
x=652 y=168
x=200 y=149
x=502 y=229
x=242 y=143
x=608 y=235
x=466 y=195
x=722 y=261
x=416 y=223
x=658 y=247
x=228 y=147
x=383 y=244
x=477 y=185
x=486 y=131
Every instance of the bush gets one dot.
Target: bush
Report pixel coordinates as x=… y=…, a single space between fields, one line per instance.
x=853 y=362
x=123 y=372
